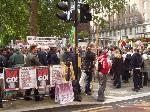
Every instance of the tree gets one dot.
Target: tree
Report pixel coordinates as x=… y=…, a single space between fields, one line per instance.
x=83 y=34
x=48 y=23
x=104 y=8
x=14 y=19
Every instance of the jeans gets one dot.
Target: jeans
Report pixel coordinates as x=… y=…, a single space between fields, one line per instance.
x=102 y=78
x=88 y=81
x=137 y=78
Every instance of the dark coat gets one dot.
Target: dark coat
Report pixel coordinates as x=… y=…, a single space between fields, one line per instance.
x=89 y=61
x=136 y=61
x=127 y=63
x=54 y=59
x=117 y=65
x=43 y=58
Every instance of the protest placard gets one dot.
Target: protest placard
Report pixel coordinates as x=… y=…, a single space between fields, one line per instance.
x=43 y=76
x=28 y=78
x=64 y=93
x=56 y=75
x=11 y=78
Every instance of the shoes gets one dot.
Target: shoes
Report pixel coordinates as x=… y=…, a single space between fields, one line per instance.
x=79 y=100
x=99 y=100
x=27 y=98
x=137 y=90
x=38 y=98
x=118 y=87
x=126 y=81
x=88 y=93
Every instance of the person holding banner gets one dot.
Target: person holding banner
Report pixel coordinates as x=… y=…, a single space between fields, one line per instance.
x=32 y=60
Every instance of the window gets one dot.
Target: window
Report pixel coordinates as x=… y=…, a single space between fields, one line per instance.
x=114 y=33
x=125 y=31
x=110 y=34
x=145 y=17
x=125 y=21
x=130 y=31
x=136 y=19
x=134 y=7
x=131 y=20
x=145 y=4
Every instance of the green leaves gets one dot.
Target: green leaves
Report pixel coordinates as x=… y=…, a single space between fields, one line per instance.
x=104 y=8
x=15 y=17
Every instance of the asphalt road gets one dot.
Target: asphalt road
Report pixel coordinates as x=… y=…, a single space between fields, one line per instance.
x=134 y=105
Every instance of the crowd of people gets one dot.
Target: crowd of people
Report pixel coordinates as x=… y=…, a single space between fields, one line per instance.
x=121 y=64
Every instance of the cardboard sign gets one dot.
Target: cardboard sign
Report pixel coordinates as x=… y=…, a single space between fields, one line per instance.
x=28 y=78
x=56 y=75
x=64 y=93
x=43 y=76
x=11 y=78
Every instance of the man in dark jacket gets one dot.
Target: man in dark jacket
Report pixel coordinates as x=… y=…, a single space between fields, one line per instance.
x=89 y=67
x=32 y=60
x=136 y=63
x=42 y=55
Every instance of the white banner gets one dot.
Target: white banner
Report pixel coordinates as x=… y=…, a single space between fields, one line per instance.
x=64 y=93
x=56 y=75
x=28 y=78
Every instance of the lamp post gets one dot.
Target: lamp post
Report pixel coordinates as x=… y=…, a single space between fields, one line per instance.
x=76 y=38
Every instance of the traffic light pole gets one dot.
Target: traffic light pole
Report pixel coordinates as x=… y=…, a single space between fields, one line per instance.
x=76 y=38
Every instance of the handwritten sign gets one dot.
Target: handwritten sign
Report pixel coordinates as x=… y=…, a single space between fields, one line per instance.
x=56 y=75
x=64 y=93
x=28 y=78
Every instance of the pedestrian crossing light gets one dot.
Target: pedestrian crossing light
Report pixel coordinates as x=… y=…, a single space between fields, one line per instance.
x=64 y=5
x=85 y=15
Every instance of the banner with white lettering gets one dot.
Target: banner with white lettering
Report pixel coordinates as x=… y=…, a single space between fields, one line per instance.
x=28 y=77
x=56 y=75
x=11 y=78
x=64 y=93
x=43 y=76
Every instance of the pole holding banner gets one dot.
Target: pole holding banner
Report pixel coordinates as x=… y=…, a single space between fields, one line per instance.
x=76 y=37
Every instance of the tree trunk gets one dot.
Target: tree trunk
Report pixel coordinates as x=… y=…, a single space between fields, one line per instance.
x=34 y=15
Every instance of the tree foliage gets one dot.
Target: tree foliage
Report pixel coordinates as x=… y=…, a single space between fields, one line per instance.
x=105 y=8
x=15 y=17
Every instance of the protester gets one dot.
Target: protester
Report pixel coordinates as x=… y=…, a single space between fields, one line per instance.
x=117 y=66
x=17 y=59
x=136 y=63
x=89 y=67
x=42 y=55
x=126 y=66
x=103 y=70
x=32 y=60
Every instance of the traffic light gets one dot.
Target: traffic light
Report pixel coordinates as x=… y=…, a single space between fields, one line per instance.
x=64 y=5
x=85 y=15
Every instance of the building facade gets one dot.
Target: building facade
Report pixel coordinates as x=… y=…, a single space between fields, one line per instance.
x=132 y=23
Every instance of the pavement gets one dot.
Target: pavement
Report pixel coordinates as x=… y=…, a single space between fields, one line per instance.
x=112 y=95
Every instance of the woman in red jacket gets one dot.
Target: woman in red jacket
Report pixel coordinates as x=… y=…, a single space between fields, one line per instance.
x=103 y=69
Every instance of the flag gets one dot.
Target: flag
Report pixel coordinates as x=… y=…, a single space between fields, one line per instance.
x=71 y=36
